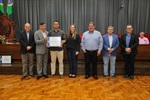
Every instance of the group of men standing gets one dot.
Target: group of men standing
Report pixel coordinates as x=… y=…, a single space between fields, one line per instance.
x=92 y=44
x=29 y=41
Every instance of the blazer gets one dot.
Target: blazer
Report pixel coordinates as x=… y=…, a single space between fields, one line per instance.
x=24 y=42
x=40 y=42
x=106 y=45
x=133 y=44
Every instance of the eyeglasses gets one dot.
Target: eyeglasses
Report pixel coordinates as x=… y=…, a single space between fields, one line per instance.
x=129 y=28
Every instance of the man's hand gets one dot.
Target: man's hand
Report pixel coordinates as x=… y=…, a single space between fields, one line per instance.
x=45 y=38
x=98 y=53
x=28 y=47
x=77 y=52
x=47 y=46
x=110 y=50
x=63 y=41
x=128 y=50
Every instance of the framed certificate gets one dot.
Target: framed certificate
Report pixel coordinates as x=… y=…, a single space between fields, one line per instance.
x=54 y=41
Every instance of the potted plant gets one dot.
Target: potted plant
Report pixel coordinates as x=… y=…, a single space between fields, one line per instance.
x=2 y=39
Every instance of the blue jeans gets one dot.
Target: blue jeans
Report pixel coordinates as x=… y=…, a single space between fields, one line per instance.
x=72 y=57
x=112 y=64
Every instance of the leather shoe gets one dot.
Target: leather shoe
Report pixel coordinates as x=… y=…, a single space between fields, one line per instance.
x=51 y=75
x=126 y=76
x=61 y=76
x=46 y=76
x=31 y=76
x=23 y=77
x=87 y=76
x=38 y=77
x=104 y=76
x=73 y=76
x=95 y=76
x=114 y=76
x=131 y=78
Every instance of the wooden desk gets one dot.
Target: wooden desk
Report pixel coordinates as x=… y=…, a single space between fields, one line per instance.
x=141 y=65
x=11 y=49
x=14 y=51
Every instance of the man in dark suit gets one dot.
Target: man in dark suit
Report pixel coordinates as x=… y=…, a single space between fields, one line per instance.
x=27 y=50
x=129 y=43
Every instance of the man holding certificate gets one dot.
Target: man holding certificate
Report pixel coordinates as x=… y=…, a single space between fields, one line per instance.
x=56 y=39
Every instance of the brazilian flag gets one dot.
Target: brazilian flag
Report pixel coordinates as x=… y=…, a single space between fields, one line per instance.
x=10 y=7
x=1 y=6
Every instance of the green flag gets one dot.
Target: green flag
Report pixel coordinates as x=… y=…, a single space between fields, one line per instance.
x=10 y=7
x=1 y=6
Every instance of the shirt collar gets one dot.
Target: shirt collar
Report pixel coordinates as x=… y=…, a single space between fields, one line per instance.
x=129 y=35
x=92 y=32
x=57 y=31
x=27 y=32
x=141 y=37
x=42 y=31
x=110 y=35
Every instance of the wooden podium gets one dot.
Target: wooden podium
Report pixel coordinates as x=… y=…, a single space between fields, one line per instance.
x=7 y=28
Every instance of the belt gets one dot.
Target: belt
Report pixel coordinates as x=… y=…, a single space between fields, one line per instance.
x=91 y=50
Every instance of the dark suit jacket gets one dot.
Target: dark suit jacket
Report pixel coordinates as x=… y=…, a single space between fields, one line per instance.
x=24 y=42
x=133 y=44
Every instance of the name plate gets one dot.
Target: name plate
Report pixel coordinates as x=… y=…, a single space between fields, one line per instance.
x=54 y=41
x=5 y=59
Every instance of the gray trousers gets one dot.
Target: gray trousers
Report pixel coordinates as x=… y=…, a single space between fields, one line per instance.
x=42 y=64
x=27 y=59
x=112 y=64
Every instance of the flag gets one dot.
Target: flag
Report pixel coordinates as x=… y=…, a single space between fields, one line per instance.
x=9 y=7
x=1 y=6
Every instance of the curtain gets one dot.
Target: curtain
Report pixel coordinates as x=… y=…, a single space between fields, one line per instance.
x=103 y=13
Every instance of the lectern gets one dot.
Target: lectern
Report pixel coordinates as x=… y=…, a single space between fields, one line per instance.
x=7 y=28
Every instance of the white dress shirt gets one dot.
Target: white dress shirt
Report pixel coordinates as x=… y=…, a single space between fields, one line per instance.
x=44 y=34
x=110 y=40
x=27 y=35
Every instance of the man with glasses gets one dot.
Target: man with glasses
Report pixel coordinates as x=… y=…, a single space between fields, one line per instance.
x=129 y=43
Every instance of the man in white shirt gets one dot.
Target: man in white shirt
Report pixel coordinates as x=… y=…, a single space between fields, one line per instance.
x=142 y=39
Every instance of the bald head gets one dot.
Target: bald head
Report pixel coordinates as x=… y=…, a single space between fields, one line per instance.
x=27 y=27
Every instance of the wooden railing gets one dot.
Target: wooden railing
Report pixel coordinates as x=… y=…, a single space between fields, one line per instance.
x=14 y=50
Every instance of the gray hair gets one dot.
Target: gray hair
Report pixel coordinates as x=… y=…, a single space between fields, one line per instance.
x=110 y=27
x=27 y=24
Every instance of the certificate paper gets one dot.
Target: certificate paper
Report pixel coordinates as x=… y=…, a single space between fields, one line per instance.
x=5 y=59
x=54 y=41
